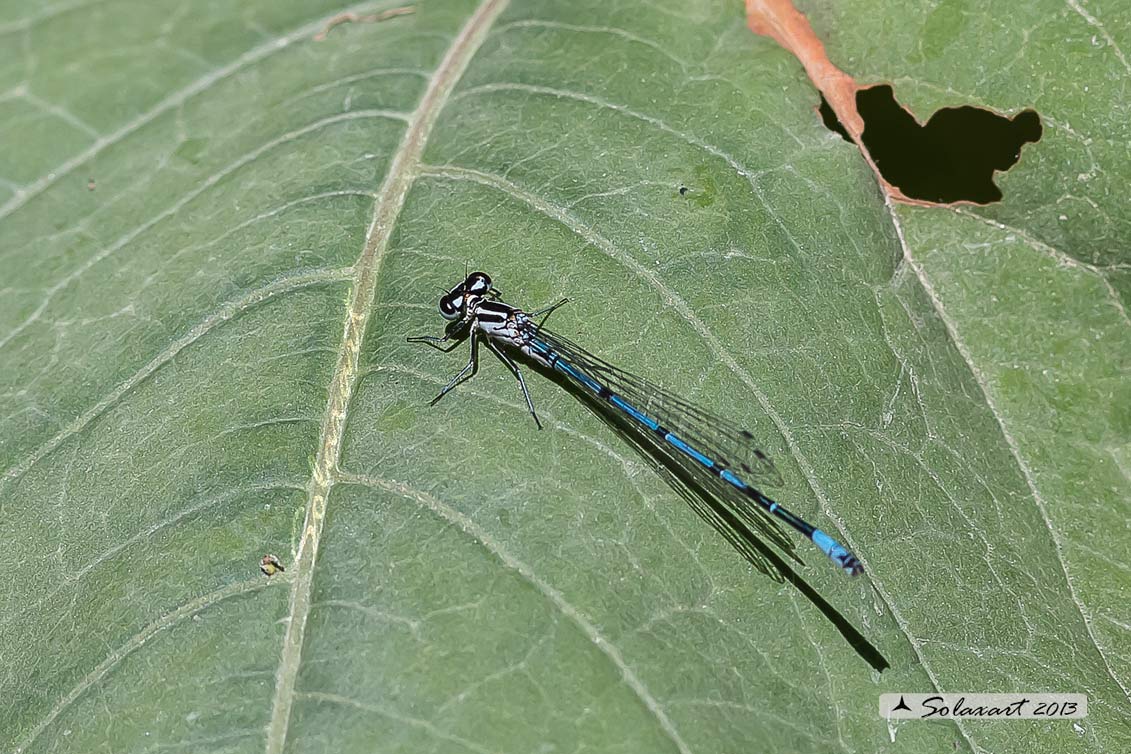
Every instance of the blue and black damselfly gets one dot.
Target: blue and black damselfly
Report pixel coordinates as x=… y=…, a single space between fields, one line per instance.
x=721 y=455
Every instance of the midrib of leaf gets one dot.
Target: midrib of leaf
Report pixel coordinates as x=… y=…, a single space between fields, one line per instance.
x=390 y=199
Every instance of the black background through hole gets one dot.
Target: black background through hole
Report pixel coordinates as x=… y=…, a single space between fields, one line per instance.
x=950 y=159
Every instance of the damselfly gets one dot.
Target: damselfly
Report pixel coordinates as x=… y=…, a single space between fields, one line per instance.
x=722 y=455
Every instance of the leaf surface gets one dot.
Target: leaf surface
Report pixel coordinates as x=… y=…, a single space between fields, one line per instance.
x=217 y=232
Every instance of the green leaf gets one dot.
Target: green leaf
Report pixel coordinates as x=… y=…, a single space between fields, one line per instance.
x=217 y=232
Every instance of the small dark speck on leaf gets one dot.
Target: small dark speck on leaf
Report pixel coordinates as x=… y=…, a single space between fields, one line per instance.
x=952 y=158
x=703 y=191
x=270 y=565
x=90 y=184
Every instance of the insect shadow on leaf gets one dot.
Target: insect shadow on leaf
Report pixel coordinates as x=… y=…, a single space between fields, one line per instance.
x=748 y=533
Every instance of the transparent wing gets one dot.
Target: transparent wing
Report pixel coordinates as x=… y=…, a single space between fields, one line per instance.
x=745 y=526
x=724 y=441
x=736 y=517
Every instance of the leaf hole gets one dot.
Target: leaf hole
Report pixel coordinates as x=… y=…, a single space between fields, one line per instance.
x=950 y=158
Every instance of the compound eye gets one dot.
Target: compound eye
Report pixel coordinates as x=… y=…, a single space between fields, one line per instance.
x=449 y=309
x=477 y=284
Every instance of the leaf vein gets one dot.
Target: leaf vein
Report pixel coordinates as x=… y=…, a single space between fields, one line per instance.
x=1014 y=449
x=172 y=209
x=538 y=23
x=415 y=722
x=225 y=313
x=75 y=577
x=470 y=527
x=174 y=100
x=626 y=464
x=138 y=640
x=1061 y=257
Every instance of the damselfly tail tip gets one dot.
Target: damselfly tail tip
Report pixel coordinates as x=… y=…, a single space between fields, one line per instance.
x=848 y=562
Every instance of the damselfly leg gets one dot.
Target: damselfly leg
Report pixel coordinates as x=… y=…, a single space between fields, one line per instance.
x=466 y=373
x=518 y=376
x=546 y=311
x=434 y=341
x=454 y=336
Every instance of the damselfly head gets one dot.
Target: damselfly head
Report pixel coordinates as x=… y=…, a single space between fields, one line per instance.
x=477 y=284
x=451 y=303
x=456 y=302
